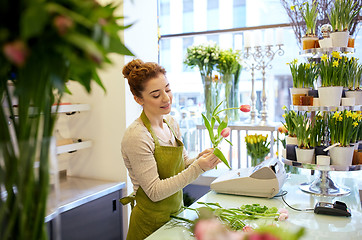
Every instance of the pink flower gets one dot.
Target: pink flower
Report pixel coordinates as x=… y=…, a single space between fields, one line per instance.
x=245 y=108
x=262 y=236
x=62 y=24
x=248 y=229
x=16 y=52
x=283 y=216
x=225 y=132
x=208 y=229
x=283 y=210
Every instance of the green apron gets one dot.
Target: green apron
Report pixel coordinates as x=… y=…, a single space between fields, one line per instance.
x=147 y=216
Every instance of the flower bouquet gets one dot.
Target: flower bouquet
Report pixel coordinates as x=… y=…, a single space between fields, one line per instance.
x=227 y=66
x=257 y=147
x=222 y=130
x=216 y=223
x=205 y=57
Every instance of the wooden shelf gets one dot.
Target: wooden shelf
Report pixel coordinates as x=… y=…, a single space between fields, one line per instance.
x=73 y=147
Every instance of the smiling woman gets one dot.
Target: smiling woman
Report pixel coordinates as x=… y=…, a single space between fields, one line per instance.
x=158 y=164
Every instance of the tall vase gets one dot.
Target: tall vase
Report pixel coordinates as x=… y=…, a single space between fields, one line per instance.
x=208 y=98
x=228 y=81
x=234 y=116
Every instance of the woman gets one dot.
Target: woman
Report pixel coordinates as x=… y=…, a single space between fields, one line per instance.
x=157 y=162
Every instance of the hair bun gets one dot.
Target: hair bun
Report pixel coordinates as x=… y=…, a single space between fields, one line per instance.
x=134 y=64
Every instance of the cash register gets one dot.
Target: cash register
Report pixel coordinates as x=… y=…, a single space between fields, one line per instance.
x=263 y=180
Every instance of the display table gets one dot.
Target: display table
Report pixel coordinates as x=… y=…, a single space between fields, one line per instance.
x=317 y=226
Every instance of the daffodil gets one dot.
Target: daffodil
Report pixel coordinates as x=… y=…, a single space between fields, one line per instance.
x=355 y=124
x=324 y=57
x=335 y=63
x=336 y=55
x=292 y=8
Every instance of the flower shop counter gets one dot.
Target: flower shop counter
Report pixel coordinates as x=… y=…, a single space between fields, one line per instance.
x=317 y=226
x=87 y=208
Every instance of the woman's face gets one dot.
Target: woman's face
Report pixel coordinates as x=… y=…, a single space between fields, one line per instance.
x=157 y=96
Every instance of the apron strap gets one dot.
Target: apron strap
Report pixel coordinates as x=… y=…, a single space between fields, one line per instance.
x=179 y=142
x=129 y=199
x=147 y=124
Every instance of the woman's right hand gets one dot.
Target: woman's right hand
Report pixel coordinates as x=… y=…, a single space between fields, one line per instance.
x=208 y=161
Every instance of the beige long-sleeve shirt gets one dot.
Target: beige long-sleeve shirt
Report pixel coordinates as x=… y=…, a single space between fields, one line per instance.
x=138 y=154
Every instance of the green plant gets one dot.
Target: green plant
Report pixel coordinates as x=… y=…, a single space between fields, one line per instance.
x=343 y=127
x=43 y=44
x=289 y=124
x=222 y=130
x=309 y=13
x=333 y=70
x=343 y=13
x=232 y=223
x=257 y=145
x=204 y=56
x=318 y=128
x=303 y=130
x=303 y=74
x=353 y=74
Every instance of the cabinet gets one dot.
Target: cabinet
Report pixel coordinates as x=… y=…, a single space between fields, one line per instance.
x=88 y=209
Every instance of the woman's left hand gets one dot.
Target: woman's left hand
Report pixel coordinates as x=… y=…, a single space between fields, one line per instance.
x=206 y=151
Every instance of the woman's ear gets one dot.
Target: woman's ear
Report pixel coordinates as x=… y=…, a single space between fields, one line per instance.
x=138 y=100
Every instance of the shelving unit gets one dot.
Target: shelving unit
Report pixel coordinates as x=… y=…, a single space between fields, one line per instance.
x=318 y=52
x=73 y=147
x=325 y=109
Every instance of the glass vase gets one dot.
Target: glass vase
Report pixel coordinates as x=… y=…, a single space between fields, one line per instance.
x=255 y=160
x=208 y=95
x=228 y=81
x=234 y=116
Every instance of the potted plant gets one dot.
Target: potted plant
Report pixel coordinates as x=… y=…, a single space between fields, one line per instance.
x=43 y=45
x=304 y=76
x=309 y=13
x=341 y=16
x=228 y=65
x=318 y=134
x=342 y=127
x=354 y=78
x=332 y=74
x=205 y=57
x=304 y=151
x=258 y=147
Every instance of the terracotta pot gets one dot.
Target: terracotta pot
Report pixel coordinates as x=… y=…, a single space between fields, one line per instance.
x=350 y=42
x=300 y=91
x=309 y=42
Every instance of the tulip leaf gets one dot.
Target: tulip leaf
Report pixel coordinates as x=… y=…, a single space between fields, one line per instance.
x=217 y=107
x=221 y=156
x=222 y=126
x=229 y=142
x=208 y=127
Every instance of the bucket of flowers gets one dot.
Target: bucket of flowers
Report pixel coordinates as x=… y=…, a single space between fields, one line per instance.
x=257 y=147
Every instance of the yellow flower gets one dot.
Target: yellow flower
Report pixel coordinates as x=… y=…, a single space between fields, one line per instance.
x=335 y=63
x=349 y=114
x=340 y=119
x=336 y=55
x=283 y=115
x=324 y=57
x=354 y=115
x=307 y=65
x=284 y=107
x=355 y=124
x=336 y=115
x=292 y=8
x=295 y=61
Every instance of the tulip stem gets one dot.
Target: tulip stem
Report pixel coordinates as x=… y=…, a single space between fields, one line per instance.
x=225 y=110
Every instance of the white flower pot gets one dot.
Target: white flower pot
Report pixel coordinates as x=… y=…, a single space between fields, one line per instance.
x=297 y=91
x=348 y=101
x=325 y=43
x=323 y=160
x=291 y=140
x=330 y=96
x=341 y=156
x=316 y=102
x=357 y=95
x=305 y=155
x=340 y=39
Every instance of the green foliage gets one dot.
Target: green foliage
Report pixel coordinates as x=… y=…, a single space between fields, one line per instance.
x=43 y=44
x=344 y=127
x=309 y=14
x=318 y=128
x=228 y=61
x=303 y=74
x=303 y=130
x=333 y=70
x=257 y=145
x=289 y=124
x=342 y=14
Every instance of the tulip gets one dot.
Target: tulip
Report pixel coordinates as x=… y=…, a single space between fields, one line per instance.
x=245 y=108
x=62 y=24
x=248 y=229
x=16 y=52
x=283 y=216
x=225 y=132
